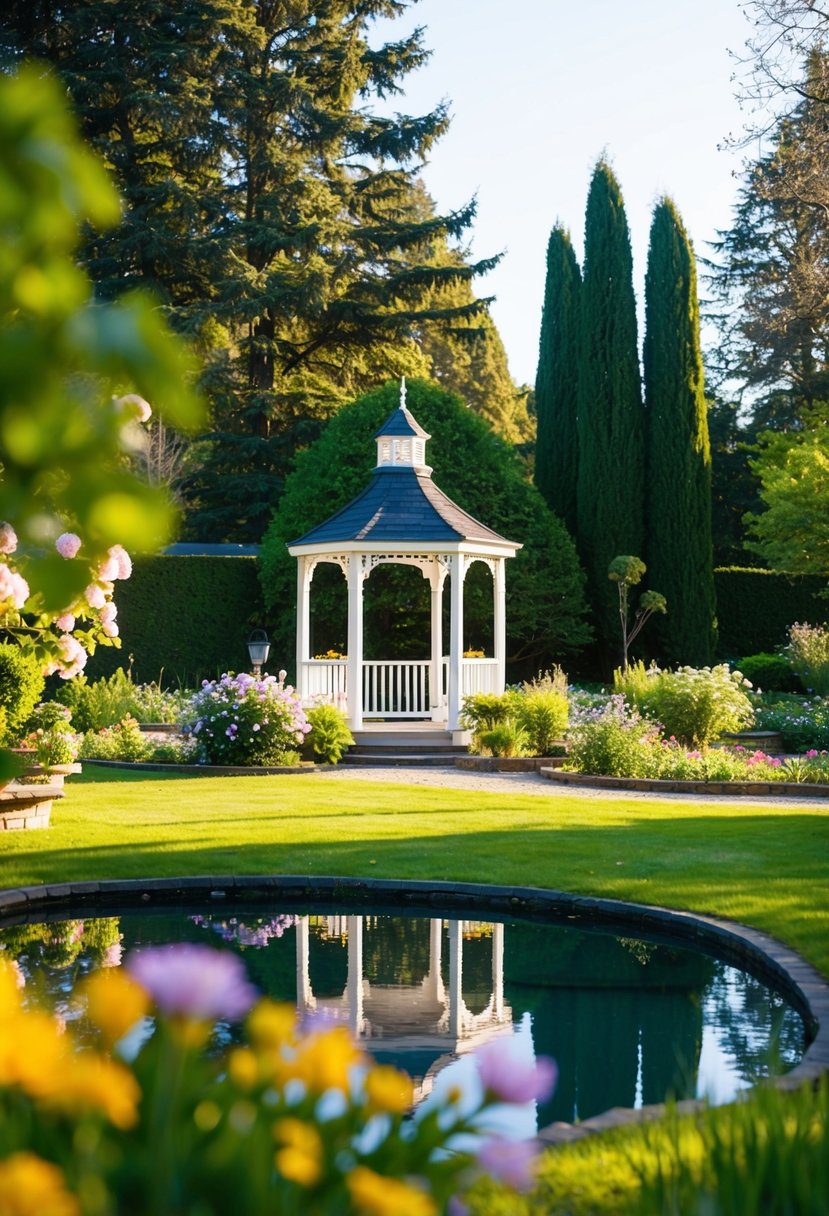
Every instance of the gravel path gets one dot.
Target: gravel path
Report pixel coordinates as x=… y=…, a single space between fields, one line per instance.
x=528 y=783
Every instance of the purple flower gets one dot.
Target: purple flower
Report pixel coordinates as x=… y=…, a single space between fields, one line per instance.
x=511 y=1079
x=509 y=1161
x=68 y=544
x=194 y=981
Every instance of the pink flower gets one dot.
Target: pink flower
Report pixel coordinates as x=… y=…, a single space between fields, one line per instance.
x=71 y=657
x=511 y=1079
x=194 y=981
x=12 y=587
x=134 y=406
x=68 y=545
x=119 y=554
x=110 y=629
x=509 y=1161
x=109 y=612
x=8 y=538
x=94 y=596
x=65 y=622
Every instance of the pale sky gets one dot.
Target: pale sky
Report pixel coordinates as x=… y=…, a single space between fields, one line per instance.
x=539 y=89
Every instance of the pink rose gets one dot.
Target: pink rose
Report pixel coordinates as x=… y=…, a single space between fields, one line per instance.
x=109 y=611
x=134 y=407
x=68 y=545
x=12 y=587
x=94 y=596
x=8 y=538
x=120 y=555
x=110 y=629
x=65 y=622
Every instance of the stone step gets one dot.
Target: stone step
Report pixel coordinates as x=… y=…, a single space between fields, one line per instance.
x=380 y=759
x=422 y=747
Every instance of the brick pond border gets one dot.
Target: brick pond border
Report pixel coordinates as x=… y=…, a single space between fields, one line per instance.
x=766 y=957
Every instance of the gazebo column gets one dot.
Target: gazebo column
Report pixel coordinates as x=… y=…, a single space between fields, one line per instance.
x=456 y=642
x=305 y=571
x=437 y=576
x=354 y=669
x=499 y=614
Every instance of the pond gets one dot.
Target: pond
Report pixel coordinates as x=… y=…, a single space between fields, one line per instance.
x=629 y=1021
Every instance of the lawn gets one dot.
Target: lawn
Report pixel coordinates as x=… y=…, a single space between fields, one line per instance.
x=765 y=865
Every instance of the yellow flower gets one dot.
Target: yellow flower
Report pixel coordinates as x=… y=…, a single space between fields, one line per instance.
x=323 y=1061
x=243 y=1068
x=33 y=1051
x=93 y=1082
x=389 y=1090
x=271 y=1025
x=9 y=990
x=30 y=1186
x=114 y=1002
x=375 y=1195
x=300 y=1157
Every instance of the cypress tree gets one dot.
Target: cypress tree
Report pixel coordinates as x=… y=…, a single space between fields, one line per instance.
x=556 y=382
x=678 y=453
x=610 y=487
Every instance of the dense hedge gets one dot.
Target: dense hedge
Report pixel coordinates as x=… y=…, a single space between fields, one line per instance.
x=189 y=617
x=756 y=607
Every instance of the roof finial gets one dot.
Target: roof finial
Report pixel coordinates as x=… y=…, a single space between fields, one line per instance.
x=402 y=392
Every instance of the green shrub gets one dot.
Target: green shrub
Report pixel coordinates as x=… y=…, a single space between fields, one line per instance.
x=756 y=607
x=56 y=744
x=485 y=709
x=123 y=741
x=543 y=717
x=108 y=700
x=769 y=672
x=506 y=738
x=182 y=751
x=46 y=715
x=808 y=653
x=635 y=683
x=802 y=724
x=698 y=704
x=330 y=735
x=554 y=680
x=21 y=686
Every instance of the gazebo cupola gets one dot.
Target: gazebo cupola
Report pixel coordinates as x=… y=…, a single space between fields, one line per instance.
x=401 y=517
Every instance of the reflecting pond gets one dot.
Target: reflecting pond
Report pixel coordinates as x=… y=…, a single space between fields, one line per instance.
x=628 y=1021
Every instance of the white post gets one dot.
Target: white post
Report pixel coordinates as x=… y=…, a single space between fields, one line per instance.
x=438 y=710
x=303 y=626
x=355 y=976
x=498 y=970
x=304 y=994
x=455 y=979
x=456 y=641
x=354 y=670
x=499 y=614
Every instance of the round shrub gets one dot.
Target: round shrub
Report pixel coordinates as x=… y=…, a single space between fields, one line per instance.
x=242 y=720
x=613 y=741
x=769 y=672
x=124 y=741
x=21 y=686
x=543 y=716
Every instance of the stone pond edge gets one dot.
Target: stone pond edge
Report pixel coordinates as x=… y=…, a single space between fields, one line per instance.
x=738 y=943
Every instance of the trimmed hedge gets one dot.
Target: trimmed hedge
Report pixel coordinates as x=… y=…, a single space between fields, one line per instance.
x=756 y=607
x=188 y=617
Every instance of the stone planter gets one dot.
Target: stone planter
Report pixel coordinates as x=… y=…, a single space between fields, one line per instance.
x=27 y=806
x=54 y=772
x=768 y=741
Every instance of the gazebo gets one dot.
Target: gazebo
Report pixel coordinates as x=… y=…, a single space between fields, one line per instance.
x=402 y=518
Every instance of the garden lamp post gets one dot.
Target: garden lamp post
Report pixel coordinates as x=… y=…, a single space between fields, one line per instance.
x=258 y=649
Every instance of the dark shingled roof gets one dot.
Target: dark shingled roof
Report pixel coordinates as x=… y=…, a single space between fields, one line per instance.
x=401 y=422
x=400 y=504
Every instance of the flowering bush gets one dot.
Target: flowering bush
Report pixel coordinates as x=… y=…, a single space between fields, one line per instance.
x=55 y=744
x=808 y=653
x=610 y=739
x=242 y=720
x=803 y=724
x=281 y=1119
x=698 y=704
x=124 y=741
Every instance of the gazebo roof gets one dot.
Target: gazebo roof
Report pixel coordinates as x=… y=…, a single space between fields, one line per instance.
x=403 y=506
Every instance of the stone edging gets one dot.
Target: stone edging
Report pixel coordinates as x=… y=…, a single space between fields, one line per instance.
x=737 y=943
x=782 y=789
x=212 y=770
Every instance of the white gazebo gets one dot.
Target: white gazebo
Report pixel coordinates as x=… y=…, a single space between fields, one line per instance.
x=402 y=518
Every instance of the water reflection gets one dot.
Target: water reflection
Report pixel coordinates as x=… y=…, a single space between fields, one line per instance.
x=628 y=1021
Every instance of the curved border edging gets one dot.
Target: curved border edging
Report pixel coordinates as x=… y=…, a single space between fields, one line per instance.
x=783 y=789
x=803 y=984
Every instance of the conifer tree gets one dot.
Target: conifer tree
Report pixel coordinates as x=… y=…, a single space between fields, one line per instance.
x=265 y=201
x=556 y=383
x=678 y=454
x=610 y=487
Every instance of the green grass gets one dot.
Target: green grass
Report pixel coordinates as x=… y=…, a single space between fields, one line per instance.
x=767 y=866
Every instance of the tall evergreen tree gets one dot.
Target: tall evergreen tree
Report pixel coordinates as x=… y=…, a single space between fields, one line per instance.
x=265 y=200
x=610 y=487
x=678 y=453
x=556 y=382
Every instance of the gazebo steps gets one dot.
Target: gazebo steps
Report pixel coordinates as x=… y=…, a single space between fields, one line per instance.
x=394 y=744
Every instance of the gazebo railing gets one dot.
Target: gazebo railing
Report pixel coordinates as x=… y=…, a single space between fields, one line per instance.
x=396 y=689
x=325 y=680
